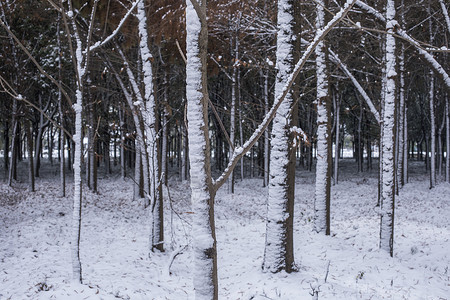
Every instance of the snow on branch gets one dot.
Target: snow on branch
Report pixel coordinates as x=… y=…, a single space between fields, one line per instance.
x=334 y=58
x=399 y=31
x=240 y=151
x=114 y=33
x=445 y=13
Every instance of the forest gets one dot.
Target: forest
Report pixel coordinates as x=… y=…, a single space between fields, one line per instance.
x=276 y=149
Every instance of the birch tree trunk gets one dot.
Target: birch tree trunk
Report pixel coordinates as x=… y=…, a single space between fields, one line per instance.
x=278 y=251
x=323 y=180
x=387 y=203
x=202 y=193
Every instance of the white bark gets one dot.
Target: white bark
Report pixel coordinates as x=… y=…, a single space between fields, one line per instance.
x=202 y=197
x=433 y=133
x=149 y=116
x=266 y=132
x=61 y=119
x=80 y=61
x=401 y=120
x=322 y=186
x=276 y=251
x=232 y=126
x=388 y=139
x=445 y=13
x=447 y=137
x=165 y=129
x=336 y=147
x=432 y=114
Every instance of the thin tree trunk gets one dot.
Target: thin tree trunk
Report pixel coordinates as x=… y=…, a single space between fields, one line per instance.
x=323 y=168
x=433 y=134
x=14 y=135
x=266 y=132
x=29 y=137
x=447 y=138
x=151 y=142
x=336 y=149
x=401 y=120
x=6 y=147
x=387 y=203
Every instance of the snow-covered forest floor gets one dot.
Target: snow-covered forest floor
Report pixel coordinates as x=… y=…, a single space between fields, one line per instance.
x=35 y=260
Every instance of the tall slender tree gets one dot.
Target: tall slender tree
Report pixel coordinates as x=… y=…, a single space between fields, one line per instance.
x=278 y=251
x=387 y=200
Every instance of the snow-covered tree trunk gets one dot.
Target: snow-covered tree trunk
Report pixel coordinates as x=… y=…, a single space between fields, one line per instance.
x=81 y=61
x=387 y=201
x=401 y=120
x=202 y=193
x=29 y=147
x=232 y=127
x=77 y=195
x=62 y=135
x=445 y=13
x=278 y=252
x=432 y=114
x=337 y=132
x=165 y=130
x=149 y=116
x=123 y=166
x=405 y=145
x=62 y=162
x=14 y=135
x=440 y=148
x=323 y=180
x=185 y=155
x=447 y=138
x=241 y=129
x=266 y=132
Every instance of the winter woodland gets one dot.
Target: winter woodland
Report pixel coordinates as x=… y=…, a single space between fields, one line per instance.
x=224 y=150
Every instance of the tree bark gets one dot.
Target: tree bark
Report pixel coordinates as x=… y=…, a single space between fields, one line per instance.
x=323 y=180
x=387 y=203
x=202 y=193
x=278 y=251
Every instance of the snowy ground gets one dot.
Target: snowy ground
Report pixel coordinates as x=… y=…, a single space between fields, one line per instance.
x=35 y=257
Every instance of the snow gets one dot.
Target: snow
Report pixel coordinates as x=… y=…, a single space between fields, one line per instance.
x=35 y=242
x=430 y=58
x=277 y=202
